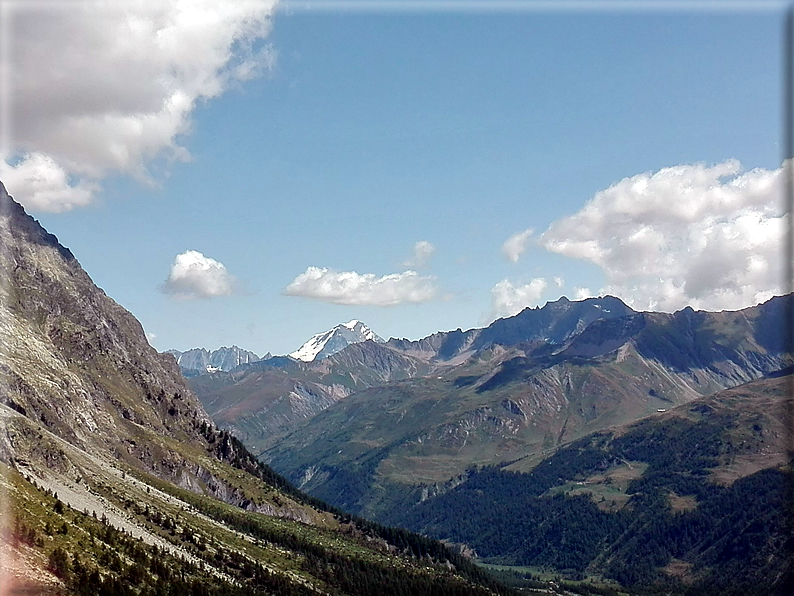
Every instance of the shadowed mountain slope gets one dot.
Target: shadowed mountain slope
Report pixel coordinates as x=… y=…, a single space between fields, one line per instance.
x=262 y=402
x=514 y=404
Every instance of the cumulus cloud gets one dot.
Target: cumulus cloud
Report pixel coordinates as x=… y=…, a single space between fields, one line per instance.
x=41 y=184
x=195 y=276
x=508 y=300
x=706 y=236
x=423 y=250
x=349 y=287
x=105 y=87
x=516 y=245
x=582 y=293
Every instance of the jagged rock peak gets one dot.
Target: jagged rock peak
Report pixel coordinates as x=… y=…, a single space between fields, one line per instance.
x=14 y=215
x=555 y=322
x=224 y=358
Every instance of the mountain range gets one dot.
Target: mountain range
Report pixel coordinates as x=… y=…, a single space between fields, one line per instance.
x=197 y=361
x=200 y=361
x=640 y=452
x=512 y=390
x=511 y=400
x=262 y=402
x=116 y=482
x=410 y=420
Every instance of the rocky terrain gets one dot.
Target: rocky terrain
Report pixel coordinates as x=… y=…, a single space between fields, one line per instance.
x=116 y=481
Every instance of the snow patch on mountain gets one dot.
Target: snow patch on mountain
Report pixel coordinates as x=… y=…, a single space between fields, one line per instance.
x=332 y=341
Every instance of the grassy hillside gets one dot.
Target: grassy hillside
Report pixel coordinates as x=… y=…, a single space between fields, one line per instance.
x=89 y=526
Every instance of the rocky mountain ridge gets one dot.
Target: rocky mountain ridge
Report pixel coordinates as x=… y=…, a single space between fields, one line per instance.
x=514 y=404
x=554 y=323
x=262 y=402
x=74 y=358
x=201 y=361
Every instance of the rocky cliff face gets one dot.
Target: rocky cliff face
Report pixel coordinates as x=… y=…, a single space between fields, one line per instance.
x=74 y=360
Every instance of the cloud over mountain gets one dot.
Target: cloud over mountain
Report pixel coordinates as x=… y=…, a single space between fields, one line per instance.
x=195 y=276
x=352 y=288
x=102 y=87
x=46 y=184
x=706 y=236
x=508 y=300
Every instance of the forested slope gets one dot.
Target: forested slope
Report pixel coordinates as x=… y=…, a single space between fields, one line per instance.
x=694 y=499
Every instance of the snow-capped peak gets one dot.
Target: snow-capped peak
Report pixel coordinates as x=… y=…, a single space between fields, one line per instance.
x=332 y=341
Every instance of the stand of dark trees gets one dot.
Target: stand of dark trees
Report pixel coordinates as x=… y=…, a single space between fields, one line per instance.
x=737 y=540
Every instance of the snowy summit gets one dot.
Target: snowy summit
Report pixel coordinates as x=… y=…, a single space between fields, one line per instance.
x=332 y=341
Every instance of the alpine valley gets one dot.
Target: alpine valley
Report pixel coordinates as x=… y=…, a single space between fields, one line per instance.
x=114 y=480
x=581 y=447
x=581 y=439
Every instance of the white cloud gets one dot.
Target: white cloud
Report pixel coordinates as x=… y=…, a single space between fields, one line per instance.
x=559 y=282
x=195 y=276
x=423 y=250
x=516 y=245
x=582 y=293
x=706 y=236
x=41 y=184
x=508 y=300
x=349 y=287
x=106 y=86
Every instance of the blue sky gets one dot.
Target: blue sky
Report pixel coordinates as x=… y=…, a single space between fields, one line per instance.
x=302 y=155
